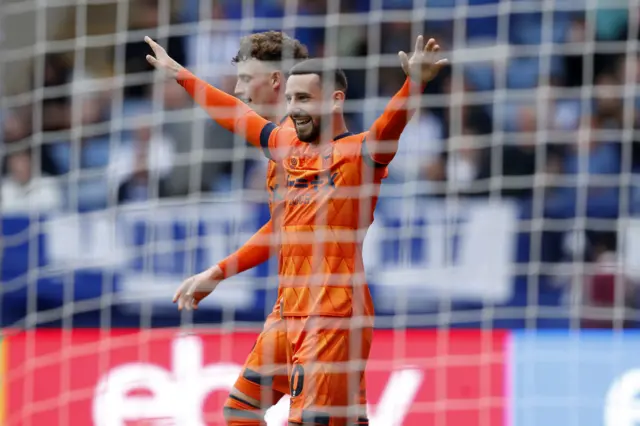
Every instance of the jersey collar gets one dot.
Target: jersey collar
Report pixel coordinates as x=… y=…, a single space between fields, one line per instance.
x=343 y=135
x=340 y=136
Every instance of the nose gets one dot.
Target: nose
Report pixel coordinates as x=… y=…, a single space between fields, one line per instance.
x=291 y=107
x=238 y=90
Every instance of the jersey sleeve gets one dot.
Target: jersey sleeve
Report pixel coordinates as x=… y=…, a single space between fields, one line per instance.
x=253 y=253
x=232 y=114
x=381 y=141
x=276 y=141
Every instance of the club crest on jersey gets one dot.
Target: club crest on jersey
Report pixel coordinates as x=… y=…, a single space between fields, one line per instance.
x=293 y=161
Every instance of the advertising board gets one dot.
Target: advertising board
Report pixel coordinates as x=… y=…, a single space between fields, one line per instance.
x=164 y=377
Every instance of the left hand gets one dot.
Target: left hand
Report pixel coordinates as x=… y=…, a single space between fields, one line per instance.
x=162 y=61
x=194 y=289
x=424 y=64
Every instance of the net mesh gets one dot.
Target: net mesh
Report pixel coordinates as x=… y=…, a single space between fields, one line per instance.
x=511 y=203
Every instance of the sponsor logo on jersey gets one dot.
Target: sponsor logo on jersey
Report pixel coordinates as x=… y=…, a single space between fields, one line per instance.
x=315 y=182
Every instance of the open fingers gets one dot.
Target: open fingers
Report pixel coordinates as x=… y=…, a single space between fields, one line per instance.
x=152 y=61
x=180 y=295
x=190 y=296
x=434 y=56
x=181 y=303
x=404 y=61
x=191 y=289
x=152 y=44
x=419 y=44
x=431 y=46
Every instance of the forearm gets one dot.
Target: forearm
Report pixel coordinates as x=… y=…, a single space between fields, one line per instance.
x=253 y=253
x=382 y=141
x=231 y=113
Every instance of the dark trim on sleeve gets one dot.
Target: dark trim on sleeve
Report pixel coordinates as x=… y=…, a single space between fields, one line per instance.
x=315 y=418
x=367 y=157
x=257 y=378
x=343 y=135
x=265 y=133
x=236 y=398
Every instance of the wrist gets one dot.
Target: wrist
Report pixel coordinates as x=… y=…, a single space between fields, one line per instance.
x=181 y=73
x=216 y=272
x=414 y=87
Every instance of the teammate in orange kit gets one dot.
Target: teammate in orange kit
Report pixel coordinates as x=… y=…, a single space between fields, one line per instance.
x=260 y=84
x=332 y=189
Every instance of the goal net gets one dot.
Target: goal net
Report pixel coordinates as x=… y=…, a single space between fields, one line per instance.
x=505 y=232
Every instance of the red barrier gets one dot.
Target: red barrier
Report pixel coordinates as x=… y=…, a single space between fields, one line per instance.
x=162 y=377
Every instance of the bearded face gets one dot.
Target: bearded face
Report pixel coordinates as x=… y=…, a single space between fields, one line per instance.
x=308 y=106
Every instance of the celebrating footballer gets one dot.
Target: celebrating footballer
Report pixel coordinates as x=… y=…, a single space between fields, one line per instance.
x=316 y=342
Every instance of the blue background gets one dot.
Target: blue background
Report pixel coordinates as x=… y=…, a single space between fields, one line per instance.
x=131 y=283
x=563 y=378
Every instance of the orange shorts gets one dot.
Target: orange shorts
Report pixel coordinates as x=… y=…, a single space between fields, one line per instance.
x=265 y=378
x=327 y=364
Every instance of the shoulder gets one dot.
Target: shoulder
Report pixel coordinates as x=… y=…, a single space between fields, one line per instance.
x=282 y=134
x=351 y=144
x=287 y=123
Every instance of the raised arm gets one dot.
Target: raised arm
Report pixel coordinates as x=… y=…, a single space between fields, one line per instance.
x=253 y=253
x=231 y=113
x=228 y=111
x=381 y=144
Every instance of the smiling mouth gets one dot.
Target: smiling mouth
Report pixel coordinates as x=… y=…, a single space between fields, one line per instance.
x=302 y=121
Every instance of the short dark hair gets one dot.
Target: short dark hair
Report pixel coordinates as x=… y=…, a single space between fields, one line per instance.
x=323 y=70
x=270 y=46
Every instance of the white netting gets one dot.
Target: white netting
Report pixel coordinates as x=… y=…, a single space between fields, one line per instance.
x=511 y=204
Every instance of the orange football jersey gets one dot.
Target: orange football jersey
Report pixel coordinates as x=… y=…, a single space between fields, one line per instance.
x=331 y=193
x=329 y=198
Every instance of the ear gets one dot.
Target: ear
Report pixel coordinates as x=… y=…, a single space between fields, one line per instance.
x=338 y=100
x=276 y=79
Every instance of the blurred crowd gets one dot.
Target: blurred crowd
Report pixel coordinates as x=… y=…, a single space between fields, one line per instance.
x=550 y=123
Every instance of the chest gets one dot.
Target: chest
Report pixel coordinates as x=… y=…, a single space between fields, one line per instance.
x=319 y=169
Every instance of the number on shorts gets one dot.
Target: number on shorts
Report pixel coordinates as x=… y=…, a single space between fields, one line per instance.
x=297 y=380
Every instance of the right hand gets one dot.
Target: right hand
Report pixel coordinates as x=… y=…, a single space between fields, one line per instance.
x=195 y=288
x=425 y=63
x=162 y=61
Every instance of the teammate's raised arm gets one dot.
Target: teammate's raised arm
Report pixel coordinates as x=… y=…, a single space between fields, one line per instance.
x=422 y=67
x=231 y=113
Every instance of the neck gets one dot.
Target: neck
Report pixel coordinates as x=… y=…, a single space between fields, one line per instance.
x=339 y=127
x=329 y=133
x=278 y=113
x=278 y=109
